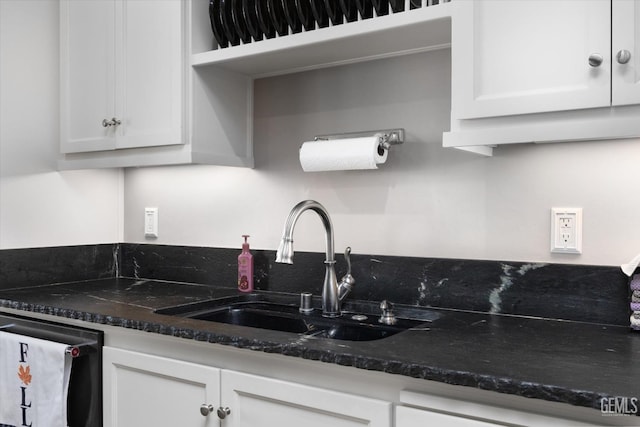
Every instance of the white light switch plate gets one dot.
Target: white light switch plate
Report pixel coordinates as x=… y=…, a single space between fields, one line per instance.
x=151 y=222
x=566 y=230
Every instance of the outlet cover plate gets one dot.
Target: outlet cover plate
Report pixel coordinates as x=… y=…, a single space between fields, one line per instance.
x=566 y=230
x=151 y=222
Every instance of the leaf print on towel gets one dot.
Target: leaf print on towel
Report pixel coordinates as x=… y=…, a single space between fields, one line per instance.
x=24 y=374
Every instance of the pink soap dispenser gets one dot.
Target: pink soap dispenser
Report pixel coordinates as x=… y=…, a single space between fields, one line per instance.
x=245 y=268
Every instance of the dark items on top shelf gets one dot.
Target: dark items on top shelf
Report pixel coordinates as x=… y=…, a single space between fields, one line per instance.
x=236 y=22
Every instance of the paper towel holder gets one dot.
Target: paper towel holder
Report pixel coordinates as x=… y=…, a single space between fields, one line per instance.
x=388 y=137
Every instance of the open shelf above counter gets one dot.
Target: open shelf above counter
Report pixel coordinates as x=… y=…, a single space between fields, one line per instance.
x=406 y=32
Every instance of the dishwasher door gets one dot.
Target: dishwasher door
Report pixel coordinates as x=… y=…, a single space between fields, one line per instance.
x=84 y=403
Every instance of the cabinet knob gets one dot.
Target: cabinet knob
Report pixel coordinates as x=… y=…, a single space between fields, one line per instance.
x=223 y=412
x=595 y=59
x=623 y=56
x=205 y=409
x=113 y=122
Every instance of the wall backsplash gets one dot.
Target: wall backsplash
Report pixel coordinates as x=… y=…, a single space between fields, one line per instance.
x=560 y=291
x=21 y=268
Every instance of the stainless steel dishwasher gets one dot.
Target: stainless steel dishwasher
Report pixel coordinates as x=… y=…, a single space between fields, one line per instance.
x=84 y=402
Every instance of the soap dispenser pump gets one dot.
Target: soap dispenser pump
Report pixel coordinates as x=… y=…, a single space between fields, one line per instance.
x=245 y=267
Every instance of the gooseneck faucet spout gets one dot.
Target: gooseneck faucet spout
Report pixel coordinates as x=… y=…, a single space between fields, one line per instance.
x=332 y=292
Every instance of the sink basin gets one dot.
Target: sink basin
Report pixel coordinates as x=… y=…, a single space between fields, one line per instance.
x=280 y=312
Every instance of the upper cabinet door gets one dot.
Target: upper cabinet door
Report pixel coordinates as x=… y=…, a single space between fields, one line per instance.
x=149 y=73
x=87 y=74
x=529 y=56
x=625 y=83
x=121 y=74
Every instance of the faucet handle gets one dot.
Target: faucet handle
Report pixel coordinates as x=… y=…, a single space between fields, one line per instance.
x=346 y=283
x=347 y=257
x=348 y=279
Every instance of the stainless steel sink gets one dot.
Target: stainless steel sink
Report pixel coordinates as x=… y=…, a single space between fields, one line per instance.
x=359 y=321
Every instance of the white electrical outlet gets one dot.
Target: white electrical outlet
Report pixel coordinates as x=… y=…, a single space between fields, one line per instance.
x=151 y=222
x=566 y=230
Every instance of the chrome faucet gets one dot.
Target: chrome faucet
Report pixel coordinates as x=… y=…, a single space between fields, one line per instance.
x=332 y=292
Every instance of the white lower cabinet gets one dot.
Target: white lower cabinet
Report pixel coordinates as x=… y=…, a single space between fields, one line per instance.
x=412 y=417
x=263 y=402
x=419 y=410
x=141 y=389
x=146 y=390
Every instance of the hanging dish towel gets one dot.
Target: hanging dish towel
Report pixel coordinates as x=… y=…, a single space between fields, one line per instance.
x=34 y=381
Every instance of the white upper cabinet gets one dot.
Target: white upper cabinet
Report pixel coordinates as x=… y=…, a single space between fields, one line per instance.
x=87 y=74
x=625 y=83
x=149 y=79
x=144 y=83
x=543 y=71
x=129 y=96
x=121 y=79
x=518 y=57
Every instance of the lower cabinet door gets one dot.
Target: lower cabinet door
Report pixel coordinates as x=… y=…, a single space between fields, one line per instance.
x=433 y=410
x=411 y=417
x=262 y=402
x=145 y=390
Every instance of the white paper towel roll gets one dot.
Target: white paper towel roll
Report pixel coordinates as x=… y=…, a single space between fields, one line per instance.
x=342 y=154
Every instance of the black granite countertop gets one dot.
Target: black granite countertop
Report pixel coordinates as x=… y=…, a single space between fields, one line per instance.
x=562 y=361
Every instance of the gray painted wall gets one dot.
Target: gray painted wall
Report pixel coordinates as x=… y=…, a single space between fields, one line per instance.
x=426 y=201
